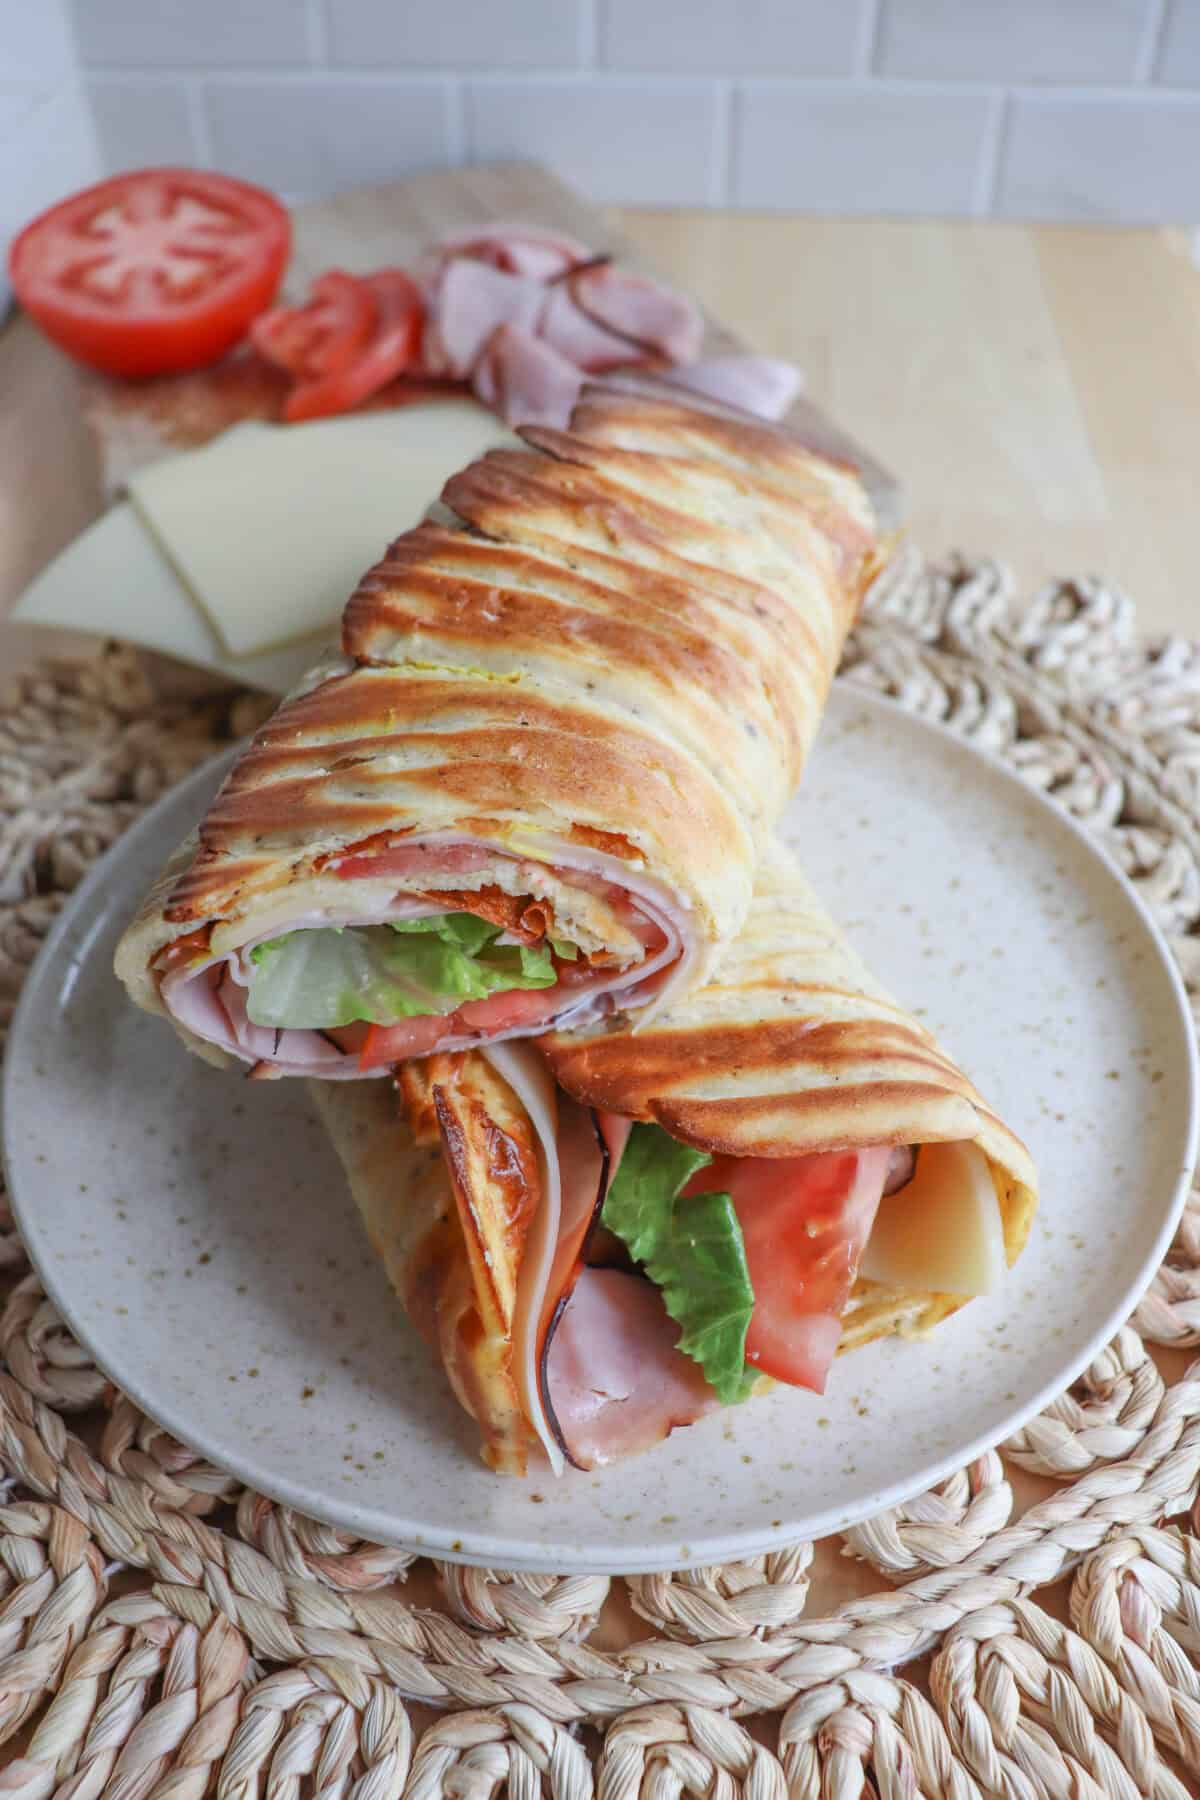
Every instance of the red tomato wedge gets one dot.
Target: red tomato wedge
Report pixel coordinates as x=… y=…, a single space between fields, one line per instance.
x=508 y=1011
x=154 y=271
x=322 y=336
x=344 y=365
x=805 y=1221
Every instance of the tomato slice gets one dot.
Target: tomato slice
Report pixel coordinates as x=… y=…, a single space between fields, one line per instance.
x=153 y=271
x=508 y=1011
x=805 y=1221
x=390 y=348
x=322 y=336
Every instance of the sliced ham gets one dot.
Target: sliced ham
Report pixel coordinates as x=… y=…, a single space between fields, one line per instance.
x=594 y=1349
x=763 y=385
x=581 y=339
x=641 y=310
x=616 y=1380
x=517 y=249
x=470 y=301
x=525 y=380
x=594 y=1353
x=615 y=1131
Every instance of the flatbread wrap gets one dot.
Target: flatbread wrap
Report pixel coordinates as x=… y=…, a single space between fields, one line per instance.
x=533 y=784
x=605 y=1236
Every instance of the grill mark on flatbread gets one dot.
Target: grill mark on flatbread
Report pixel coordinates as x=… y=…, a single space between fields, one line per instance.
x=529 y=756
x=809 y=1051
x=624 y=1072
x=503 y=608
x=745 y=444
x=715 y=605
x=508 y=497
x=729 y=503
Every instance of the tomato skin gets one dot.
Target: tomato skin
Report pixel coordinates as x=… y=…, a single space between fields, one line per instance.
x=324 y=334
x=804 y=1220
x=390 y=349
x=502 y=1011
x=236 y=253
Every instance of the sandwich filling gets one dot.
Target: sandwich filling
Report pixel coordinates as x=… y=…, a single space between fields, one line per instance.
x=648 y=1281
x=392 y=951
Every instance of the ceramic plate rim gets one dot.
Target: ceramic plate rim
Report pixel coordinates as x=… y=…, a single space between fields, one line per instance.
x=477 y=1548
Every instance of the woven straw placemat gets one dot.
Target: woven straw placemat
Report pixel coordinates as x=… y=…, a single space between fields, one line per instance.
x=250 y=1651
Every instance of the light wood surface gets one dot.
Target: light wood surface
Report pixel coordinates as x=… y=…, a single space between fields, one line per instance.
x=1036 y=388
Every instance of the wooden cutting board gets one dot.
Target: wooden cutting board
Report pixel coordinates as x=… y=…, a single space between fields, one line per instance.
x=367 y=229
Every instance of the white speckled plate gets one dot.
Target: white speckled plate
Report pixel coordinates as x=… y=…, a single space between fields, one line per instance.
x=196 y=1233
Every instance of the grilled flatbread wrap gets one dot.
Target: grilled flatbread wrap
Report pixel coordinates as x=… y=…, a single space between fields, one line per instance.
x=810 y=1088
x=535 y=782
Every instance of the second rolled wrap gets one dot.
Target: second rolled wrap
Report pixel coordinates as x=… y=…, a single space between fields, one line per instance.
x=485 y=1181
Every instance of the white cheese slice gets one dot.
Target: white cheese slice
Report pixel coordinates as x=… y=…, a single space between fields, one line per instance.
x=115 y=581
x=530 y=1080
x=270 y=526
x=943 y=1232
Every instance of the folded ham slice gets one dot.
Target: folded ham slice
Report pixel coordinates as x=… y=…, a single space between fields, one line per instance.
x=617 y=1381
x=472 y=301
x=526 y=379
x=762 y=385
x=516 y=248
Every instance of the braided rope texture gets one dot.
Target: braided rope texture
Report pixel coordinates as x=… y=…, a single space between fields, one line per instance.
x=166 y=1634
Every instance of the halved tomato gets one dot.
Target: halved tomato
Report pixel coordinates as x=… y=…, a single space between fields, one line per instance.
x=805 y=1221
x=154 y=271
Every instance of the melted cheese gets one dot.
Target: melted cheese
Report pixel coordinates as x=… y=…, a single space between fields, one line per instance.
x=530 y=1080
x=943 y=1233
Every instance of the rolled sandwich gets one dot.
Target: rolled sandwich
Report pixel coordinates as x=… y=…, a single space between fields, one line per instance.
x=535 y=783
x=605 y=1237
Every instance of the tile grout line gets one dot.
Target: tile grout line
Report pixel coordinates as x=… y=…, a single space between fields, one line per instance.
x=721 y=179
x=991 y=156
x=198 y=121
x=456 y=121
x=1150 y=44
x=589 y=34
x=962 y=86
x=866 y=38
x=317 y=32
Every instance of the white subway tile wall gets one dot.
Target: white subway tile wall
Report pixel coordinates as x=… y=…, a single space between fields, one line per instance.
x=1012 y=40
x=317 y=133
x=658 y=140
x=1179 y=61
x=142 y=120
x=1019 y=108
x=818 y=148
x=47 y=139
x=721 y=37
x=1100 y=158
x=455 y=34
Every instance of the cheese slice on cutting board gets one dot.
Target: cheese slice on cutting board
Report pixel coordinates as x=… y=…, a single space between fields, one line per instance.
x=942 y=1233
x=270 y=526
x=115 y=582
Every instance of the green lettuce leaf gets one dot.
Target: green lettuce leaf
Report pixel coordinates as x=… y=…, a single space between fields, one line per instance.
x=692 y=1248
x=332 y=976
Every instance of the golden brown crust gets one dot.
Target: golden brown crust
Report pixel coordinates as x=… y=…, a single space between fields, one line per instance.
x=384 y=750
x=627 y=633
x=792 y=1048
